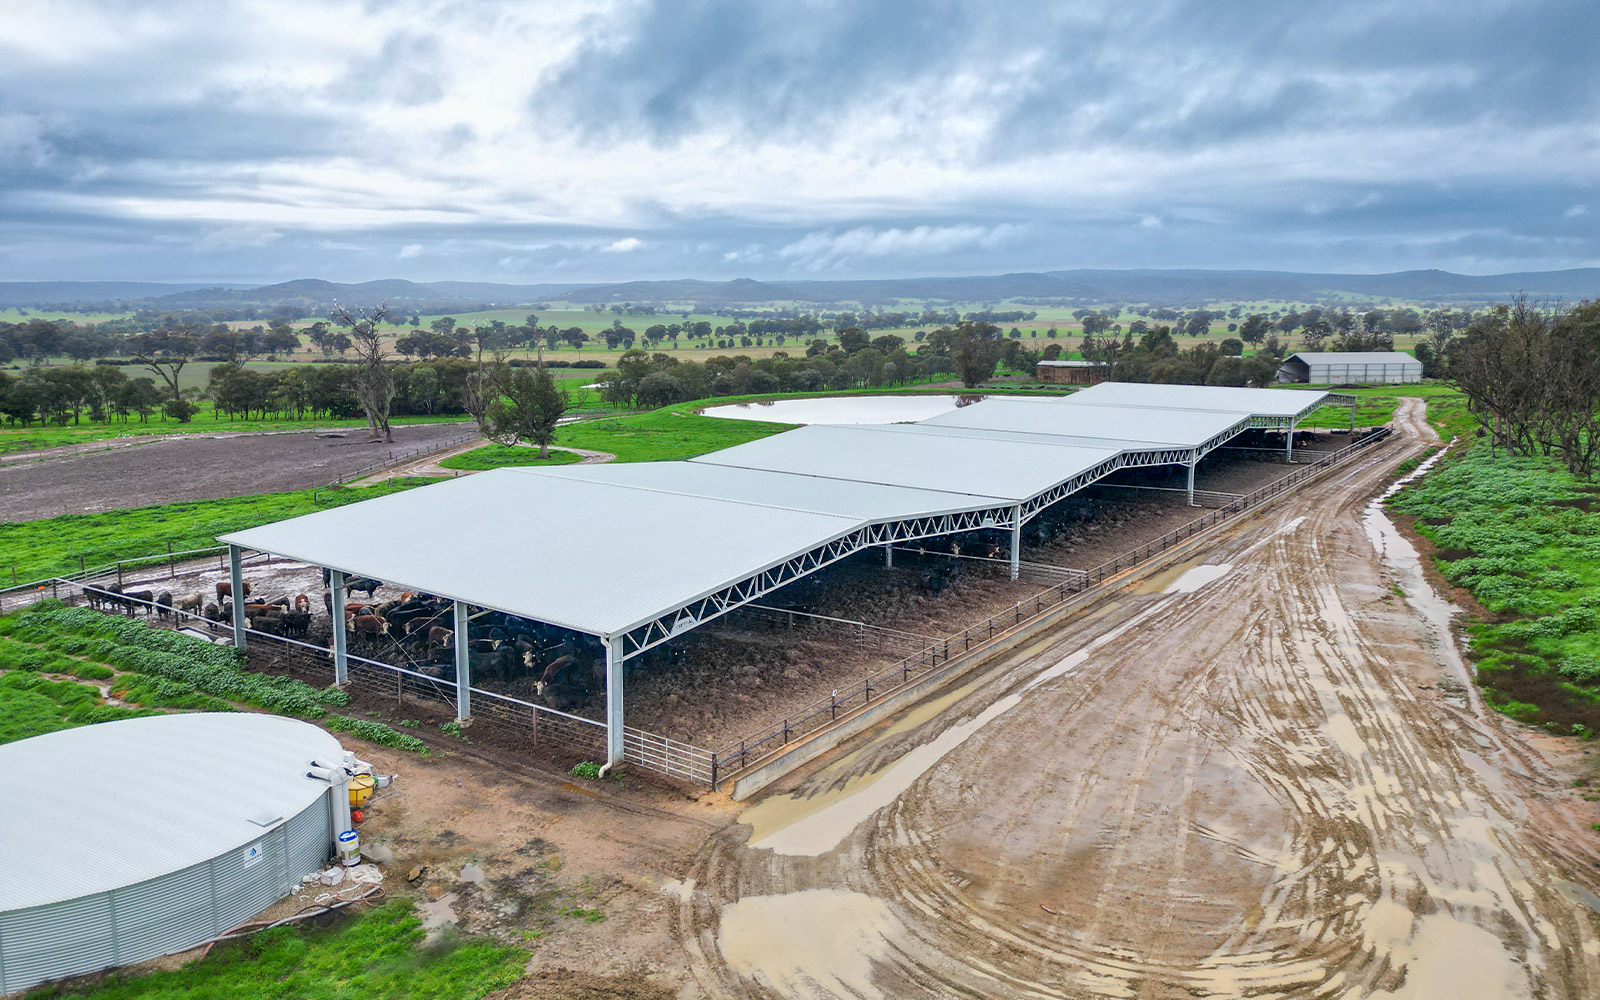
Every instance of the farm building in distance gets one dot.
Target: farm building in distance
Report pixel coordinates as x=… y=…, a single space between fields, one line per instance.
x=1350 y=368
x=1072 y=372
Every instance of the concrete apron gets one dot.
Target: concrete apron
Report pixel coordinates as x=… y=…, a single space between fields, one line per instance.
x=807 y=748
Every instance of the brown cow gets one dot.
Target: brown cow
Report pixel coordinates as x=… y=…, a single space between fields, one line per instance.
x=441 y=635
x=225 y=589
x=302 y=602
x=367 y=626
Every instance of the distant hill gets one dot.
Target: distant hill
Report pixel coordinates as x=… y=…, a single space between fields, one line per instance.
x=39 y=293
x=313 y=296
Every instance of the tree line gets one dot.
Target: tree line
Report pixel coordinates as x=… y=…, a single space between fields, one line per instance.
x=1531 y=375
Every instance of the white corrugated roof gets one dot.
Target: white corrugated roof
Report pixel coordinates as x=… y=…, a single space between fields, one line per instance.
x=605 y=549
x=1099 y=423
x=867 y=501
x=86 y=810
x=1356 y=358
x=1253 y=402
x=909 y=455
x=595 y=557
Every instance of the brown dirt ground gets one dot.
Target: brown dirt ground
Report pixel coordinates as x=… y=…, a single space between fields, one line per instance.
x=1278 y=783
x=198 y=467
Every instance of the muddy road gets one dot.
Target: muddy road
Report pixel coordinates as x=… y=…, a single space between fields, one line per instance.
x=1264 y=774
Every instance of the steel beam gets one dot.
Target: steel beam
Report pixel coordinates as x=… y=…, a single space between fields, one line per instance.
x=236 y=578
x=463 y=665
x=1191 y=481
x=341 y=639
x=1016 y=543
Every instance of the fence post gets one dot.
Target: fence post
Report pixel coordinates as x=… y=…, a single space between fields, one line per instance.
x=713 y=770
x=81 y=570
x=786 y=731
x=833 y=705
x=172 y=567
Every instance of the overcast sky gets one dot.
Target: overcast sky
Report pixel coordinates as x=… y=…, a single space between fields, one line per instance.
x=553 y=141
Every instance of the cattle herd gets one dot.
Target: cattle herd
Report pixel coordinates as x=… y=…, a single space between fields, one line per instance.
x=557 y=666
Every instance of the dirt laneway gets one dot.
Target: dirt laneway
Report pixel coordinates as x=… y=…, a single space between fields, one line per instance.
x=1258 y=776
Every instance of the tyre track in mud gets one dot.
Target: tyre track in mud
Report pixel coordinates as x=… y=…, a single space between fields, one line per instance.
x=1230 y=791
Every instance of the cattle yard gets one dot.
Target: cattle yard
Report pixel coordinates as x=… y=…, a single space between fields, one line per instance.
x=720 y=696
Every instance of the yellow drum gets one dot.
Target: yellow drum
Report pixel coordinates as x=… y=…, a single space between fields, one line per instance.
x=360 y=790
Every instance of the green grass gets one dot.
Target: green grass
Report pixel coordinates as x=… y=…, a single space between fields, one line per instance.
x=1522 y=535
x=153 y=668
x=371 y=955
x=495 y=456
x=54 y=546
x=32 y=705
x=1377 y=404
x=673 y=432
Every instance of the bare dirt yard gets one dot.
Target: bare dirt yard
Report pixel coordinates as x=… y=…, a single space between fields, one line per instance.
x=199 y=467
x=1266 y=774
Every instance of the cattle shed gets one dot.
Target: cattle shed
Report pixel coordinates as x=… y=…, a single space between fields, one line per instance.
x=125 y=841
x=1072 y=372
x=1350 y=368
x=696 y=539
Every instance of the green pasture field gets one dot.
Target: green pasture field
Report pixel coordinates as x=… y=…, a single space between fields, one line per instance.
x=496 y=456
x=38 y=549
x=1378 y=403
x=1522 y=535
x=375 y=953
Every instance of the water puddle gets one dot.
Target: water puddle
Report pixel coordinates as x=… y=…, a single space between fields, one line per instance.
x=1449 y=958
x=843 y=409
x=812 y=943
x=809 y=827
x=1402 y=559
x=1572 y=892
x=1198 y=577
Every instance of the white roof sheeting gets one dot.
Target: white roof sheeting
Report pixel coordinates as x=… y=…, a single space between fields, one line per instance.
x=671 y=533
x=1102 y=423
x=846 y=498
x=917 y=456
x=1252 y=402
x=99 y=807
x=512 y=540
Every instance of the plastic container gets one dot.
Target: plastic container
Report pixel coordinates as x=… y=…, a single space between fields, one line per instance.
x=361 y=787
x=349 y=848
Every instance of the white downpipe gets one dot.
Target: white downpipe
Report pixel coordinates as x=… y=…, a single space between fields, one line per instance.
x=236 y=578
x=341 y=641
x=613 y=705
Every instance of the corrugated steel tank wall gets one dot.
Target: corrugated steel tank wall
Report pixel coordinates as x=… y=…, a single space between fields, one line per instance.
x=167 y=914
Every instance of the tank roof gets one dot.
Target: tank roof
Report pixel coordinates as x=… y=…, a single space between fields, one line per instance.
x=95 y=808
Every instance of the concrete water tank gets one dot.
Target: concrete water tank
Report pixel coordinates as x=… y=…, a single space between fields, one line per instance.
x=124 y=841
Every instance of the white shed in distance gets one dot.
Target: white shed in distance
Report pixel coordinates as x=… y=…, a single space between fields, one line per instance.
x=1350 y=367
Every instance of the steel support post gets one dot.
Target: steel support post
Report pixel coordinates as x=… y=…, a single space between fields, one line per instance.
x=463 y=665
x=236 y=578
x=1191 y=480
x=1016 y=542
x=888 y=556
x=1288 y=448
x=341 y=640
x=613 y=702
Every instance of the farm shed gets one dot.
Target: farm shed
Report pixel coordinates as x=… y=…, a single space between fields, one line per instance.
x=694 y=540
x=125 y=841
x=1350 y=368
x=1072 y=372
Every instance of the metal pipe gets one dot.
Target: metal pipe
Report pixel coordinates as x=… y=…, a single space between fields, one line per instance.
x=236 y=580
x=463 y=665
x=1191 y=480
x=888 y=557
x=341 y=640
x=1289 y=444
x=613 y=705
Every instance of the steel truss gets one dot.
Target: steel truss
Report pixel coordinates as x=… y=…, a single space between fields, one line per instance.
x=673 y=624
